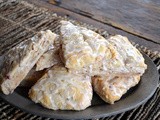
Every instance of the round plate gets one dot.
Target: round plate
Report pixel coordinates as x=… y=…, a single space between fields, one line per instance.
x=133 y=98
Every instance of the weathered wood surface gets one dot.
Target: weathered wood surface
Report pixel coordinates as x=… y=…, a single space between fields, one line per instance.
x=150 y=43
x=139 y=17
x=20 y=21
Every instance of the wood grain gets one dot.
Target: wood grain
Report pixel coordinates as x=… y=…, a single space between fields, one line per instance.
x=112 y=30
x=139 y=17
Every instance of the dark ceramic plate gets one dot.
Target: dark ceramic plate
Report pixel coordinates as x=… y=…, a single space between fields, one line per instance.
x=133 y=98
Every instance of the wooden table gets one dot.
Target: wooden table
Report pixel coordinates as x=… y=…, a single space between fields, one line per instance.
x=139 y=20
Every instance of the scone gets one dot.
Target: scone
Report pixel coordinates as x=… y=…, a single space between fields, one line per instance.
x=20 y=59
x=59 y=89
x=111 y=89
x=82 y=47
x=128 y=54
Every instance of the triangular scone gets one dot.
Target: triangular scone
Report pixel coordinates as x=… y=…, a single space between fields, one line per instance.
x=20 y=59
x=59 y=89
x=128 y=54
x=82 y=47
x=111 y=89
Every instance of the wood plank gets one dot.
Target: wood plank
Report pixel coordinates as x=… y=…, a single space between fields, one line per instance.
x=139 y=17
x=63 y=12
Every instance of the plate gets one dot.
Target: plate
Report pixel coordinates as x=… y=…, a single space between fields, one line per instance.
x=133 y=98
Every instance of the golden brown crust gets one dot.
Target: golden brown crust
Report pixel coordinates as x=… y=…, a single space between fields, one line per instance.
x=59 y=89
x=111 y=89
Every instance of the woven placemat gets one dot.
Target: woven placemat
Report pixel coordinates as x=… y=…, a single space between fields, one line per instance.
x=20 y=20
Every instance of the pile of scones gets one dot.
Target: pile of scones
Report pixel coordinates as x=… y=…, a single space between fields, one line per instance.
x=68 y=67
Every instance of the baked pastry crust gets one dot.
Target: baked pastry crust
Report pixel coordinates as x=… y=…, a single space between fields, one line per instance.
x=82 y=47
x=20 y=59
x=130 y=56
x=111 y=88
x=59 y=89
